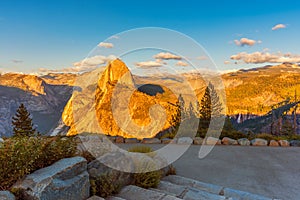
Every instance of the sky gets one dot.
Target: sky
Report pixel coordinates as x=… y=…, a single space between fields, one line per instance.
x=57 y=35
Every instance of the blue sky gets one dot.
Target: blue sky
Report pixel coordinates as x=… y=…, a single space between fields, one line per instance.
x=56 y=34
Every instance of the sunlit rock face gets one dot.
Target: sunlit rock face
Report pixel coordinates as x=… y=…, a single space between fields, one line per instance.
x=118 y=106
x=44 y=101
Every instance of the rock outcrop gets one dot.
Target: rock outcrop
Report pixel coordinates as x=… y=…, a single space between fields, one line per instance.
x=65 y=179
x=44 y=101
x=110 y=104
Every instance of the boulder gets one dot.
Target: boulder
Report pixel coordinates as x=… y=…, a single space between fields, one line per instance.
x=101 y=166
x=1 y=140
x=284 y=143
x=243 y=142
x=198 y=141
x=65 y=179
x=6 y=195
x=131 y=140
x=229 y=141
x=151 y=141
x=96 y=145
x=212 y=141
x=259 y=142
x=273 y=143
x=295 y=143
x=184 y=140
x=95 y=198
x=112 y=138
x=169 y=140
x=119 y=139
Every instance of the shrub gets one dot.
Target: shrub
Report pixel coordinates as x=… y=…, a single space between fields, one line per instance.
x=232 y=134
x=140 y=149
x=147 y=179
x=22 y=155
x=105 y=185
x=266 y=136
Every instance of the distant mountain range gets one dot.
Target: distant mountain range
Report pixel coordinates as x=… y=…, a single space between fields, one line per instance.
x=49 y=98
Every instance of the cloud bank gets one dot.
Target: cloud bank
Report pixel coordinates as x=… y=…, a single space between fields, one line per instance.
x=266 y=57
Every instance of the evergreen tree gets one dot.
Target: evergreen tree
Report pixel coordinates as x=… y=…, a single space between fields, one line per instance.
x=210 y=103
x=181 y=103
x=22 y=122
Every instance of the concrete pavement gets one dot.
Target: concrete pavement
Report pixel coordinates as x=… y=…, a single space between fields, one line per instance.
x=270 y=171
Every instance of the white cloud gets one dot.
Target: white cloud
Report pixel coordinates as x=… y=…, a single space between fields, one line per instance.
x=246 y=41
x=105 y=45
x=266 y=57
x=84 y=65
x=167 y=56
x=95 y=60
x=149 y=64
x=278 y=26
x=202 y=58
x=226 y=62
x=182 y=64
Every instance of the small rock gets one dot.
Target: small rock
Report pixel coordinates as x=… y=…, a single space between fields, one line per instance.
x=131 y=140
x=284 y=143
x=151 y=141
x=119 y=139
x=229 y=141
x=112 y=138
x=95 y=198
x=259 y=142
x=6 y=195
x=295 y=143
x=198 y=141
x=185 y=140
x=244 y=142
x=274 y=143
x=212 y=141
x=169 y=140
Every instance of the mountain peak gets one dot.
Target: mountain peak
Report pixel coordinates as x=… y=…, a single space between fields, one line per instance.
x=116 y=71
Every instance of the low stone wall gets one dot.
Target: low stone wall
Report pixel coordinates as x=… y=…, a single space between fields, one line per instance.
x=207 y=141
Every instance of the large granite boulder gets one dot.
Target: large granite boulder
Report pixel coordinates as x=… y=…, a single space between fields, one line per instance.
x=243 y=142
x=184 y=140
x=198 y=141
x=65 y=179
x=259 y=142
x=103 y=166
x=284 y=143
x=6 y=195
x=212 y=141
x=273 y=143
x=131 y=140
x=229 y=141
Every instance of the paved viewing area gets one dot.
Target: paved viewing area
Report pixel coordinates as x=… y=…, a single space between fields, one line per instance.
x=269 y=171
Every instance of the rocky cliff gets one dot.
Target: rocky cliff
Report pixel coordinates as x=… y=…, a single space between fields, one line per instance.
x=113 y=105
x=44 y=101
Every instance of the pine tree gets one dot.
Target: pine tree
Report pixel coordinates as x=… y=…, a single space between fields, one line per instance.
x=210 y=103
x=22 y=122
